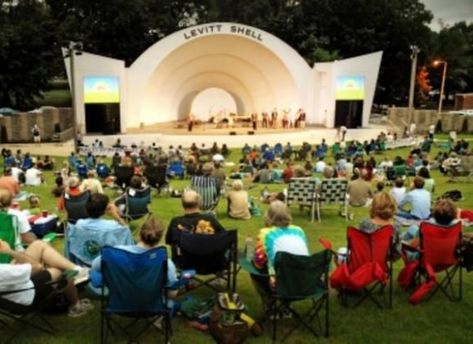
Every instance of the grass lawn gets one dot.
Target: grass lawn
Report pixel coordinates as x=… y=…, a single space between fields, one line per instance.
x=438 y=321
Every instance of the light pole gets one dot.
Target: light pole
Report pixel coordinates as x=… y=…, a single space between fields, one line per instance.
x=415 y=50
x=444 y=75
x=72 y=49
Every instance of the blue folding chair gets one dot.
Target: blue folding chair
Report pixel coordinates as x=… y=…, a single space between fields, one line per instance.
x=136 y=287
x=136 y=203
x=176 y=169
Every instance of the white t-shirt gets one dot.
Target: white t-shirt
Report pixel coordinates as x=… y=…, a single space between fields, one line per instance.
x=33 y=177
x=17 y=277
x=24 y=225
x=398 y=194
x=320 y=166
x=15 y=173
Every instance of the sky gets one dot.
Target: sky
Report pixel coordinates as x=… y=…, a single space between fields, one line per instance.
x=450 y=11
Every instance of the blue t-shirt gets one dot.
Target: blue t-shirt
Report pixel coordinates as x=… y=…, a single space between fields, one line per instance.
x=420 y=200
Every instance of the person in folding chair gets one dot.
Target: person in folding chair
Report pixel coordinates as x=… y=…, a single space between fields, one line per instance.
x=150 y=235
x=444 y=215
x=30 y=275
x=86 y=237
x=207 y=187
x=189 y=222
x=278 y=235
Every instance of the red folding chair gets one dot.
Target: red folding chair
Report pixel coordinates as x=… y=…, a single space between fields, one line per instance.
x=439 y=251
x=367 y=269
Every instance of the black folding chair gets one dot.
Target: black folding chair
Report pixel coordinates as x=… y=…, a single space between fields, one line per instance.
x=214 y=255
x=75 y=206
x=15 y=317
x=123 y=176
x=156 y=176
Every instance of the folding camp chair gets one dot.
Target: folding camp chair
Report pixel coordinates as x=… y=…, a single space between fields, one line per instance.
x=136 y=289
x=137 y=202
x=214 y=255
x=299 y=278
x=208 y=189
x=302 y=191
x=123 y=176
x=439 y=251
x=9 y=232
x=368 y=267
x=156 y=176
x=75 y=206
x=15 y=317
x=176 y=169
x=333 y=191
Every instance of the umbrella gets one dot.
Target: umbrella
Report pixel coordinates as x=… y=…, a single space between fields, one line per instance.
x=7 y=111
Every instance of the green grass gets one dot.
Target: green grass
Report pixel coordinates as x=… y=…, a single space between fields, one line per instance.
x=55 y=97
x=438 y=321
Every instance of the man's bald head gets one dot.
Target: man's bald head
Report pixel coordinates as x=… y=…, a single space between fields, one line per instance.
x=190 y=200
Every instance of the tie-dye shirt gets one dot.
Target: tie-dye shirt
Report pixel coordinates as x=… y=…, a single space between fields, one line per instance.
x=271 y=240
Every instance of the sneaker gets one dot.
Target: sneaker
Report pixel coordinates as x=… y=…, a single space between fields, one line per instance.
x=80 y=309
x=82 y=276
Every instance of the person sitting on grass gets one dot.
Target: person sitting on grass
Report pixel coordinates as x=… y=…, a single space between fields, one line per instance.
x=91 y=183
x=278 y=235
x=73 y=189
x=359 y=190
x=419 y=200
x=398 y=192
x=30 y=272
x=8 y=182
x=238 y=205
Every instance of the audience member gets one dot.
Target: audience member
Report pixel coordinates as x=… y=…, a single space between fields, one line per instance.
x=279 y=235
x=8 y=182
x=419 y=200
x=31 y=272
x=91 y=183
x=359 y=191
x=33 y=176
x=398 y=192
x=238 y=205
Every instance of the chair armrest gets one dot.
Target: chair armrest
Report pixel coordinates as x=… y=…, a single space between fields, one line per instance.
x=96 y=279
x=405 y=246
x=248 y=266
x=184 y=279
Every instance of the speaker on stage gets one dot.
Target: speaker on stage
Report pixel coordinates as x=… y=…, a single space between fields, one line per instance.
x=251 y=132
x=232 y=133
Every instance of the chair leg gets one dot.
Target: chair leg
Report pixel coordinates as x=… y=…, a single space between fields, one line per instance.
x=327 y=318
x=318 y=211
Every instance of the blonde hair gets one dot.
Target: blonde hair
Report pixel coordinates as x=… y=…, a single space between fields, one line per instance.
x=278 y=215
x=237 y=185
x=383 y=206
x=34 y=201
x=5 y=198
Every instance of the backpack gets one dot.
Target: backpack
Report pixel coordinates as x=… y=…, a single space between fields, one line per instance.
x=226 y=325
x=454 y=195
x=466 y=254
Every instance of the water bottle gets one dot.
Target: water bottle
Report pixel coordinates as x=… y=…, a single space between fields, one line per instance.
x=249 y=248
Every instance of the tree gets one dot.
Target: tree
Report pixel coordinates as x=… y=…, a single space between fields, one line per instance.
x=423 y=83
x=28 y=48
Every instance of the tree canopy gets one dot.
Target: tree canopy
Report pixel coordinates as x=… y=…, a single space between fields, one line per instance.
x=32 y=32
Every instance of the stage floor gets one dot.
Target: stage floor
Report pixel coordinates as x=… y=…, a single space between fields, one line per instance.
x=180 y=128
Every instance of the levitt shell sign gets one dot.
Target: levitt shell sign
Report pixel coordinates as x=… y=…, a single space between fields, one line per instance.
x=232 y=29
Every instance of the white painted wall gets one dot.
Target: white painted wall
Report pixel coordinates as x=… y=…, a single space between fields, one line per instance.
x=88 y=64
x=213 y=102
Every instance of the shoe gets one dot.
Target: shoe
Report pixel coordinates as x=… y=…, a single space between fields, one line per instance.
x=80 y=309
x=82 y=276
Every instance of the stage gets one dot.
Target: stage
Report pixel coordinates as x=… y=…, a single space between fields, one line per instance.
x=175 y=134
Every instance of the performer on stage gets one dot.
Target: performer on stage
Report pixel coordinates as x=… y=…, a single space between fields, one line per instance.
x=301 y=118
x=264 y=123
x=274 y=118
x=285 y=119
x=190 y=121
x=254 y=120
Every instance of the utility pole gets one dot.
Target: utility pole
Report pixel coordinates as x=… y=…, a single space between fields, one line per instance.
x=414 y=51
x=72 y=49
